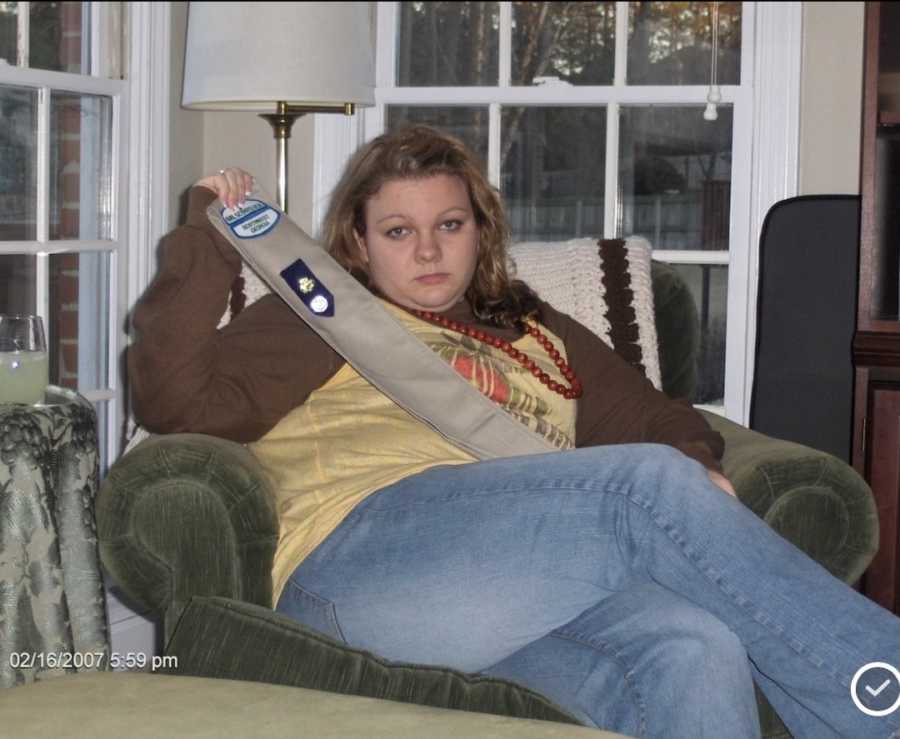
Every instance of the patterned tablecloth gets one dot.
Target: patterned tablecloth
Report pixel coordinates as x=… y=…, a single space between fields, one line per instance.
x=52 y=603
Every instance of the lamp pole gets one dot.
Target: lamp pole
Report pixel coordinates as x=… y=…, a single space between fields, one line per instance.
x=282 y=121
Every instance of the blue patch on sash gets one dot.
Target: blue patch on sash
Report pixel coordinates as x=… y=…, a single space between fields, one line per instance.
x=251 y=220
x=309 y=289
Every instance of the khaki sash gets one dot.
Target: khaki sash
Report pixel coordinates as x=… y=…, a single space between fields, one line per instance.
x=352 y=321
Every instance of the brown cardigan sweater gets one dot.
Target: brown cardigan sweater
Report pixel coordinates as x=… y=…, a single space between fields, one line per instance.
x=238 y=382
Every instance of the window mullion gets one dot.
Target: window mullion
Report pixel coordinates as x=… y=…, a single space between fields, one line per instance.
x=693 y=256
x=42 y=259
x=620 y=73
x=505 y=51
x=42 y=291
x=60 y=81
x=612 y=202
x=504 y=63
x=59 y=246
x=115 y=343
x=558 y=95
x=23 y=34
x=43 y=166
x=104 y=56
x=87 y=61
x=612 y=198
x=494 y=144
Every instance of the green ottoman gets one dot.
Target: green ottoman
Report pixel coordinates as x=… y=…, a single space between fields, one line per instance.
x=140 y=705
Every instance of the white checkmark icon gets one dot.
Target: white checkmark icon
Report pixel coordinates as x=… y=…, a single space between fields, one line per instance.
x=858 y=682
x=880 y=688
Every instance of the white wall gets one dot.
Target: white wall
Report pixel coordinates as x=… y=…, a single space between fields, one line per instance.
x=186 y=132
x=831 y=97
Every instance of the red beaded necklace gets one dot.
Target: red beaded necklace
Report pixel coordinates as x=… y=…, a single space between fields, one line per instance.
x=569 y=393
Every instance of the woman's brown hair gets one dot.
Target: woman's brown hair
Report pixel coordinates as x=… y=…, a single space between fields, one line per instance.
x=419 y=152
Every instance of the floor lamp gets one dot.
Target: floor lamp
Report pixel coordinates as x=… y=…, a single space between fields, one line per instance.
x=281 y=60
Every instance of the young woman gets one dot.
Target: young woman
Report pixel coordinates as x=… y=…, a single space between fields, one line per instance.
x=618 y=576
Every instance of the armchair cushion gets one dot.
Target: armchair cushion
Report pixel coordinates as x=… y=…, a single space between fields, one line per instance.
x=813 y=499
x=229 y=639
x=677 y=331
x=184 y=515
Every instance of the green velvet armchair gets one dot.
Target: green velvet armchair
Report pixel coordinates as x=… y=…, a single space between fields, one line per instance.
x=187 y=516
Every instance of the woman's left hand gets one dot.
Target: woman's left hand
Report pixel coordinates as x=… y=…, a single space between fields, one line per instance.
x=232 y=185
x=723 y=482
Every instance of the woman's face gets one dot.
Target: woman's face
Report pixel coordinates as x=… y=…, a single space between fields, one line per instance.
x=421 y=241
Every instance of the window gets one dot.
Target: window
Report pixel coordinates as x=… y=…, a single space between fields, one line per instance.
x=60 y=169
x=590 y=117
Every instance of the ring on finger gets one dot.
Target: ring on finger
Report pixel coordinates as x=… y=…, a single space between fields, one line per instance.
x=221 y=171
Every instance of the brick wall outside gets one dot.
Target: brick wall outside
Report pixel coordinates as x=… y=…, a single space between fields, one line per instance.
x=64 y=275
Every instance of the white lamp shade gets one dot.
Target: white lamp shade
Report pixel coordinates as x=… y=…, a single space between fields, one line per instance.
x=248 y=56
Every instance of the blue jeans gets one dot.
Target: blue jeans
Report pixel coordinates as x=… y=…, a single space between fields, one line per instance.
x=617 y=580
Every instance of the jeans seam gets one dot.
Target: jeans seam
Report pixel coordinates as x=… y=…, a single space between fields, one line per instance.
x=749 y=606
x=582 y=485
x=607 y=649
x=329 y=606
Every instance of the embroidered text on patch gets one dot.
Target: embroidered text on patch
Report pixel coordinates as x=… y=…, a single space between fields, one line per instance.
x=251 y=219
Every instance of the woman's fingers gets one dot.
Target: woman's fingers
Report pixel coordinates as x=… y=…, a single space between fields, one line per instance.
x=233 y=193
x=231 y=185
x=247 y=182
x=238 y=186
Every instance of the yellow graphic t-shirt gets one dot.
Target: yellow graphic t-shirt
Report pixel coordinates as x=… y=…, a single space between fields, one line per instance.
x=349 y=440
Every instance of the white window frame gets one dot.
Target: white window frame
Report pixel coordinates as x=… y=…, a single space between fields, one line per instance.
x=765 y=144
x=148 y=100
x=148 y=182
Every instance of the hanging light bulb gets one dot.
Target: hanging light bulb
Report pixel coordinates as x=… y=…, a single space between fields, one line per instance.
x=714 y=94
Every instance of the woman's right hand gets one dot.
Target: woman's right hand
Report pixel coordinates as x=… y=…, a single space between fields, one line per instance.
x=232 y=185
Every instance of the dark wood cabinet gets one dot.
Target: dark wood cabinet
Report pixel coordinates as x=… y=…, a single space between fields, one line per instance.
x=876 y=345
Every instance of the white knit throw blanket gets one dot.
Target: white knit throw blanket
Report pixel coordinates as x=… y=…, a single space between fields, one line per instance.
x=569 y=276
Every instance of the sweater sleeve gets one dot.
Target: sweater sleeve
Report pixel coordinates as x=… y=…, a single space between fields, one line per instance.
x=621 y=406
x=237 y=382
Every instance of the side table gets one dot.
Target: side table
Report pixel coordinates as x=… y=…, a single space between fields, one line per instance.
x=52 y=603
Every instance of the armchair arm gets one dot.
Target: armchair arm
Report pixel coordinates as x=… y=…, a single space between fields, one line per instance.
x=184 y=515
x=813 y=499
x=188 y=514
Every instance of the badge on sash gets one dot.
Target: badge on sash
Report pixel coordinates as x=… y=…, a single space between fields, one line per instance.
x=309 y=289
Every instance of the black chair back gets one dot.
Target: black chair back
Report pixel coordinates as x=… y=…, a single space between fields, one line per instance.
x=806 y=316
